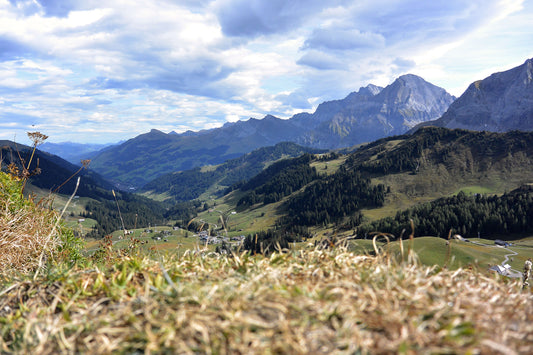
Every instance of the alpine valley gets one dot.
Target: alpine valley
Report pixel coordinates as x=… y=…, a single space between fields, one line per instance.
x=499 y=103
x=267 y=196
x=353 y=165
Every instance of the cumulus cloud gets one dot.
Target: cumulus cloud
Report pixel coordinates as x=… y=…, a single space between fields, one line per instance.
x=343 y=39
x=251 y=18
x=320 y=60
x=126 y=67
x=201 y=77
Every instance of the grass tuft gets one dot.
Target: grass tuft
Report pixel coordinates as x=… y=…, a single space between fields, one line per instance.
x=29 y=233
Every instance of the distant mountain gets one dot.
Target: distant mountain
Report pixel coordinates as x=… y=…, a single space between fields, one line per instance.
x=502 y=102
x=73 y=152
x=54 y=171
x=102 y=207
x=363 y=116
x=190 y=184
x=373 y=113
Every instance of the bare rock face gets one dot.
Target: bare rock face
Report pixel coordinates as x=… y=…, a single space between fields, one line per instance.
x=500 y=103
x=373 y=113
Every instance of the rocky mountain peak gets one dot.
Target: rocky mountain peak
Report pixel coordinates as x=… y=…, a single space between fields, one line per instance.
x=417 y=93
x=498 y=103
x=370 y=90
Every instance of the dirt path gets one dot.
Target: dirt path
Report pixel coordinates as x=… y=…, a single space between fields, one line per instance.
x=510 y=272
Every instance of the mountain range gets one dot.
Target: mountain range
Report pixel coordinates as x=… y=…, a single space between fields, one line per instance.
x=363 y=116
x=382 y=178
x=73 y=152
x=501 y=102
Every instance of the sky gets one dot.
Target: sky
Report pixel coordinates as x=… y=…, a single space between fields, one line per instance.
x=92 y=71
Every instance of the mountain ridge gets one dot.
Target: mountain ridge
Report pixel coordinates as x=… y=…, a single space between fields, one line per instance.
x=499 y=103
x=54 y=171
x=190 y=184
x=362 y=116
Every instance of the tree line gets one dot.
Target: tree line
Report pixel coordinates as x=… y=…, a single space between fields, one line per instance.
x=332 y=199
x=279 y=180
x=439 y=144
x=469 y=216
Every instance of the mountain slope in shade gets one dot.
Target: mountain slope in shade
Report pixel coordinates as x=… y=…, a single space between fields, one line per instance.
x=499 y=103
x=54 y=171
x=362 y=116
x=190 y=184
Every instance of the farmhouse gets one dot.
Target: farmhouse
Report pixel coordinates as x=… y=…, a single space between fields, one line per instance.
x=460 y=237
x=502 y=243
x=501 y=269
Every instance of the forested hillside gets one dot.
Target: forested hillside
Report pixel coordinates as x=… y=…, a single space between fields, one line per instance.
x=408 y=169
x=190 y=184
x=469 y=216
x=52 y=173
x=333 y=198
x=278 y=180
x=458 y=150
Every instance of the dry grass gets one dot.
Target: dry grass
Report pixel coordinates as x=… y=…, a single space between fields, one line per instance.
x=24 y=235
x=27 y=231
x=30 y=232
x=307 y=302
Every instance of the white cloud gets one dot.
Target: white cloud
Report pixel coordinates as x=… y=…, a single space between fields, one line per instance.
x=108 y=70
x=344 y=39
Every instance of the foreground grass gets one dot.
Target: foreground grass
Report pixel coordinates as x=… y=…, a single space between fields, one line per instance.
x=316 y=301
x=30 y=233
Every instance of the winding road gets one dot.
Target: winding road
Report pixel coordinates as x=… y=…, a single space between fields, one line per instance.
x=510 y=272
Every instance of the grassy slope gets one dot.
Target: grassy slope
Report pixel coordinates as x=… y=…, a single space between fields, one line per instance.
x=434 y=251
x=58 y=202
x=305 y=302
x=445 y=168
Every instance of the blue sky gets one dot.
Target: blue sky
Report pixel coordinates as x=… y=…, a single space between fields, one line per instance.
x=102 y=71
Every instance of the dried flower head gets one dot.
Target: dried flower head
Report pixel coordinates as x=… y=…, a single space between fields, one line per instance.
x=85 y=163
x=37 y=138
